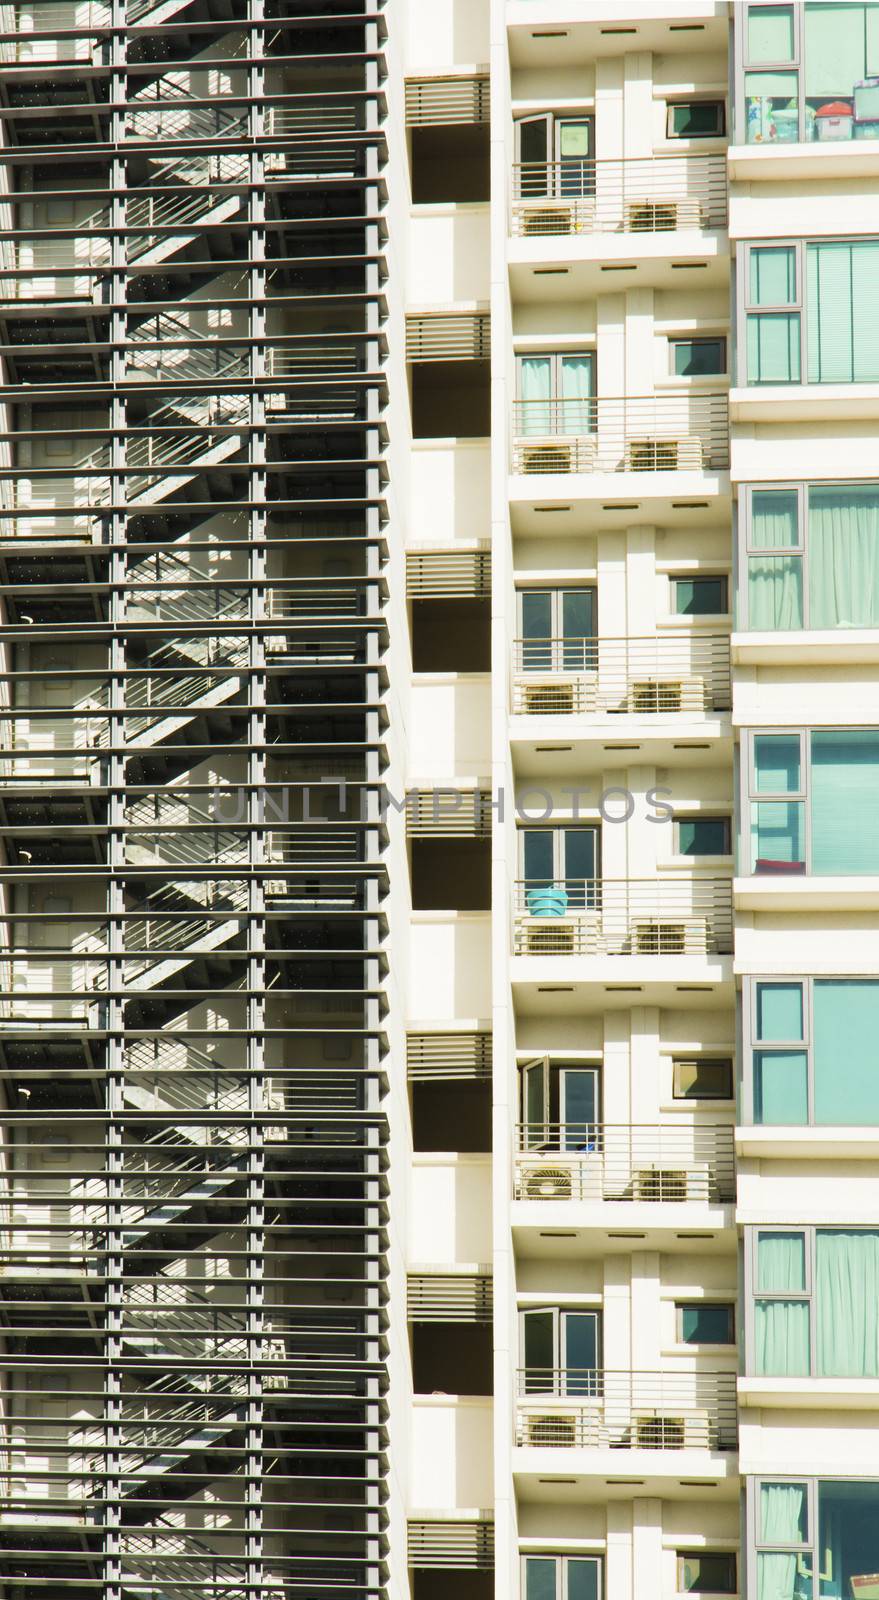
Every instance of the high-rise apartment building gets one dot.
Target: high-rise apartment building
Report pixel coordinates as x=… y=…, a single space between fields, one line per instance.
x=439 y=799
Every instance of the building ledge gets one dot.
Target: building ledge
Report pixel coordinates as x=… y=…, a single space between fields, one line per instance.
x=823 y=1144
x=813 y=646
x=774 y=163
x=804 y=402
x=806 y=893
x=827 y=1394
x=526 y=487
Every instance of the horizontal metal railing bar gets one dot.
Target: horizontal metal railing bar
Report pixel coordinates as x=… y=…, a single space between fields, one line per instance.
x=687 y=430
x=659 y=193
x=665 y=915
x=602 y=1407
x=682 y=671
x=602 y=1161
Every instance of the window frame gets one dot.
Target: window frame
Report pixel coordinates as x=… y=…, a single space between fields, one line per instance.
x=558 y=1387
x=674 y=578
x=752 y=1044
x=702 y=1344
x=557 y=593
x=743 y=65
x=810 y=1231
x=548 y=1066
x=707 y=855
x=705 y=1099
x=695 y=100
x=675 y=339
x=750 y=795
x=561 y=1564
x=747 y=547
x=698 y=1555
x=556 y=400
x=747 y=308
x=560 y=873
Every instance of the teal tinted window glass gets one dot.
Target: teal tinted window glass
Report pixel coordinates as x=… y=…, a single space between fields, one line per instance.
x=772 y=275
x=771 y=110
x=846 y=1052
x=842 y=284
x=778 y=835
x=697 y=119
x=698 y=358
x=834 y=48
x=540 y=1578
x=774 y=514
x=695 y=597
x=781 y=1088
x=538 y=854
x=779 y=1012
x=704 y=1572
x=848 y=1529
x=701 y=1323
x=773 y=347
x=777 y=763
x=583 y=1579
x=539 y=1342
x=844 y=556
x=703 y=836
x=845 y=801
x=775 y=592
x=770 y=33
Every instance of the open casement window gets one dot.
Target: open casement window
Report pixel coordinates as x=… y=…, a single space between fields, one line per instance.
x=813 y=1538
x=563 y=860
x=555 y=155
x=548 y=1577
x=560 y=1105
x=812 y=556
x=804 y=71
x=556 y=393
x=558 y=630
x=561 y=1351
x=814 y=1297
x=814 y=1052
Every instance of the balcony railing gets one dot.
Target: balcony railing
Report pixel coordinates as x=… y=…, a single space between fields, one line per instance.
x=659 y=194
x=588 y=1409
x=675 y=1163
x=679 y=915
x=677 y=672
x=685 y=431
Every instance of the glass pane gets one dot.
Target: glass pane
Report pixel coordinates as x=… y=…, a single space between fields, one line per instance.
x=696 y=358
x=777 y=836
x=576 y=168
x=847 y=1303
x=783 y=1577
x=536 y=631
x=703 y=836
x=537 y=855
x=535 y=387
x=781 y=1093
x=848 y=1533
x=700 y=1572
x=781 y=1261
x=784 y=1513
x=540 y=1578
x=770 y=33
x=699 y=597
x=578 y=630
x=698 y=120
x=573 y=139
x=773 y=339
x=584 y=1579
x=771 y=108
x=775 y=592
x=576 y=381
x=834 y=52
x=702 y=1080
x=581 y=1351
x=774 y=514
x=706 y=1324
x=777 y=763
x=844 y=556
x=779 y=1012
x=578 y=1107
x=772 y=277
x=845 y=801
x=539 y=1350
x=533 y=147
x=830 y=326
x=781 y=1338
x=846 y=1052
x=534 y=1104
x=579 y=856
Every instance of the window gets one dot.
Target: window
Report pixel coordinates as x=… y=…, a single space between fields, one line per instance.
x=700 y=597
x=701 y=1322
x=555 y=156
x=811 y=1050
x=563 y=1577
x=698 y=358
x=556 y=393
x=695 y=119
x=702 y=1078
x=707 y=1572
x=828 y=779
x=702 y=836
x=812 y=556
x=807 y=1530
x=560 y=867
x=558 y=630
x=560 y=1105
x=812 y=322
x=804 y=72
x=561 y=1351
x=815 y=1302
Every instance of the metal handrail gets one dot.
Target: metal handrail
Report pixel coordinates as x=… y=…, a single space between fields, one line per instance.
x=678 y=915
x=591 y=1408
x=653 y=194
x=686 y=670
x=675 y=1162
x=686 y=430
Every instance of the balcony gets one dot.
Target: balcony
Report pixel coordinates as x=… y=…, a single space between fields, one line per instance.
x=594 y=1409
x=662 y=194
x=684 y=431
x=677 y=916
x=676 y=674
x=674 y=1163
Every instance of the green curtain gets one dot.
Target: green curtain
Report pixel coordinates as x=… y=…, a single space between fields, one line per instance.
x=845 y=801
x=535 y=385
x=781 y=1327
x=576 y=395
x=782 y=1521
x=770 y=33
x=847 y=1303
x=843 y=548
x=842 y=282
x=835 y=47
x=775 y=582
x=846 y=1052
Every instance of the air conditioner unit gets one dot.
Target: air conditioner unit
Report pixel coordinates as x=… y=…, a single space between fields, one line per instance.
x=551 y=1430
x=546 y=1183
x=557 y=455
x=653 y=1430
x=546 y=216
x=558 y=697
x=672 y=936
x=557 y=936
x=663 y=216
x=648 y=696
x=672 y=1183
x=664 y=455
